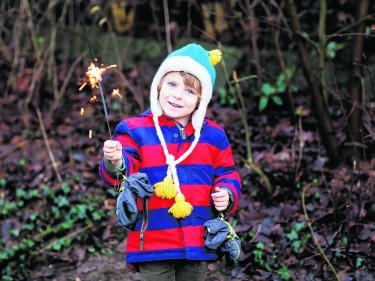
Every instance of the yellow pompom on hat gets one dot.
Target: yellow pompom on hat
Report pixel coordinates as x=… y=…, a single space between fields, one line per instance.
x=193 y=59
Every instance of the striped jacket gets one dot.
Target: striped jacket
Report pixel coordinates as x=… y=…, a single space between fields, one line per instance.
x=209 y=165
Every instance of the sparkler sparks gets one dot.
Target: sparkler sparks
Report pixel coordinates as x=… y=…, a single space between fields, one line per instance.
x=94 y=75
x=93 y=99
x=116 y=93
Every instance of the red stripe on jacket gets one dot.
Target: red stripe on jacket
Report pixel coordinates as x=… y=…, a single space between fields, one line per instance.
x=178 y=238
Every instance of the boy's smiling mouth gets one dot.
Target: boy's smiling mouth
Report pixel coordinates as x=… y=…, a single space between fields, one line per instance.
x=175 y=105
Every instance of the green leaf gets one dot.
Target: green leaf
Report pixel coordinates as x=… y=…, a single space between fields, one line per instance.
x=260 y=245
x=340 y=255
x=268 y=267
x=8 y=206
x=96 y=215
x=277 y=100
x=263 y=103
x=33 y=193
x=296 y=245
x=56 y=212
x=222 y=94
x=61 y=201
x=15 y=232
x=21 y=193
x=4 y=255
x=29 y=243
x=293 y=235
x=47 y=191
x=66 y=241
x=289 y=73
x=27 y=226
x=280 y=83
x=232 y=97
x=57 y=246
x=20 y=203
x=3 y=182
x=299 y=226
x=91 y=250
x=359 y=261
x=258 y=256
x=344 y=240
x=284 y=273
x=294 y=88
x=267 y=89
x=368 y=31
x=65 y=188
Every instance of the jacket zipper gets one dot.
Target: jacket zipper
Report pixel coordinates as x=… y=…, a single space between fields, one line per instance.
x=182 y=131
x=144 y=223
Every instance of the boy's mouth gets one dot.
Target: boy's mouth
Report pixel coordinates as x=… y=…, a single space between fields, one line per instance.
x=175 y=105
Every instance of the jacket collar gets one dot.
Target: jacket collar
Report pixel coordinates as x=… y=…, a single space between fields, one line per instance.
x=166 y=121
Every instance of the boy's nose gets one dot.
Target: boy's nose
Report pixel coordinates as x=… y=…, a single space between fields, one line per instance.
x=178 y=94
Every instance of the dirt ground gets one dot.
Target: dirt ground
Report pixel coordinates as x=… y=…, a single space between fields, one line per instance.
x=112 y=268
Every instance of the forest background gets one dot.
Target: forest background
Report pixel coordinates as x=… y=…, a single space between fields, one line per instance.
x=295 y=93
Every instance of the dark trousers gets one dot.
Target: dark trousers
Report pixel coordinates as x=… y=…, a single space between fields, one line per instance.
x=173 y=270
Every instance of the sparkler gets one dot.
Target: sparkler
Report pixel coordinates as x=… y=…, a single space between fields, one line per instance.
x=94 y=73
x=94 y=76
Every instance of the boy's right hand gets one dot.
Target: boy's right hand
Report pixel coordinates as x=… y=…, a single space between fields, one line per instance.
x=113 y=151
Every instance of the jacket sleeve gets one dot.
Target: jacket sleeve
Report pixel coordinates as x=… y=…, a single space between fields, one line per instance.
x=130 y=153
x=226 y=174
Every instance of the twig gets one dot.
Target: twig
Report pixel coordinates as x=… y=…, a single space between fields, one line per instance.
x=70 y=73
x=167 y=26
x=316 y=241
x=301 y=146
x=156 y=20
x=30 y=24
x=45 y=137
x=256 y=234
x=70 y=235
x=65 y=83
x=10 y=150
x=242 y=106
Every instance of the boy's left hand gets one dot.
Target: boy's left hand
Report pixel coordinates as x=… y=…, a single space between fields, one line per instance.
x=220 y=198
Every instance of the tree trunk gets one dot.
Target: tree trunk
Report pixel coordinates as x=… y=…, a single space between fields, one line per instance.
x=320 y=106
x=356 y=83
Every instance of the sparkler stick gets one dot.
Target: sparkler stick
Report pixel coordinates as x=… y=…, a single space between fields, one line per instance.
x=105 y=109
x=93 y=59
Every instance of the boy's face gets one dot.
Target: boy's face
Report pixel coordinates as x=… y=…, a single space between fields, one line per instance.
x=177 y=100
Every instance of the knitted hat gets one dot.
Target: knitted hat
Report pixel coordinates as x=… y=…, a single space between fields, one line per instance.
x=193 y=59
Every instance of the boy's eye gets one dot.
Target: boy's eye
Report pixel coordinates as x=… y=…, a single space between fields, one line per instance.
x=172 y=84
x=190 y=91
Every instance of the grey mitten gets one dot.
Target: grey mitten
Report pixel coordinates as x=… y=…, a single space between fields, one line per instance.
x=126 y=208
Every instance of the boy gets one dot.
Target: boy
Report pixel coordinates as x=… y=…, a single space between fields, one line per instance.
x=189 y=161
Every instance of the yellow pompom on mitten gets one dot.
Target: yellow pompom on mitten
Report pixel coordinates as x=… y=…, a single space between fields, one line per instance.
x=165 y=189
x=215 y=56
x=181 y=208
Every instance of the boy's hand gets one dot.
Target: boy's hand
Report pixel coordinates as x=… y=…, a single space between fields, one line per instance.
x=220 y=198
x=113 y=151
